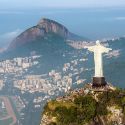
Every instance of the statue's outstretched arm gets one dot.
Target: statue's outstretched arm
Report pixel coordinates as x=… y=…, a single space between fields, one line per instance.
x=89 y=48
x=106 y=50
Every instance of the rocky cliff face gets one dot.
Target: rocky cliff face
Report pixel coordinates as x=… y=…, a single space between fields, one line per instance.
x=87 y=106
x=44 y=27
x=52 y=26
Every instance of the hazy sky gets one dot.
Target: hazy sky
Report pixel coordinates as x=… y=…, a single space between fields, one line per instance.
x=60 y=3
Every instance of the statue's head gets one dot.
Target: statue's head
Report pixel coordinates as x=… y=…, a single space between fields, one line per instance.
x=97 y=42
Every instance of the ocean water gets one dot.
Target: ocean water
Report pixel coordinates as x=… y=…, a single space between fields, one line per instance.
x=93 y=23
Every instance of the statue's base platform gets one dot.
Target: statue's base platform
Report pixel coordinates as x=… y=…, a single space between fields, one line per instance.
x=104 y=88
x=99 y=82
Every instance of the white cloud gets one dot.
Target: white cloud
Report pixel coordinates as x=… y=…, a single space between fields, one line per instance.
x=6 y=38
x=120 y=18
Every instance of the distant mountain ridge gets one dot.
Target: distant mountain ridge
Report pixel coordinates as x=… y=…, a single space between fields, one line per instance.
x=44 y=27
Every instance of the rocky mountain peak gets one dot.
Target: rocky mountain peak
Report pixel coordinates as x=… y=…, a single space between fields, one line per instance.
x=53 y=26
x=44 y=27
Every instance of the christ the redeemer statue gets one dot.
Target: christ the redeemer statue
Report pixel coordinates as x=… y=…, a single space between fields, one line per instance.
x=98 y=49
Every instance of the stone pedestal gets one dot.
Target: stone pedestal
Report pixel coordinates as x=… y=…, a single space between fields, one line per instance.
x=99 y=82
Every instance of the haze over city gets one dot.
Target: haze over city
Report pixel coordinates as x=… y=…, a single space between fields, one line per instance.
x=62 y=3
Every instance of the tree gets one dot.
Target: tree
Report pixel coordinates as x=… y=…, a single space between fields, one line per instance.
x=66 y=115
